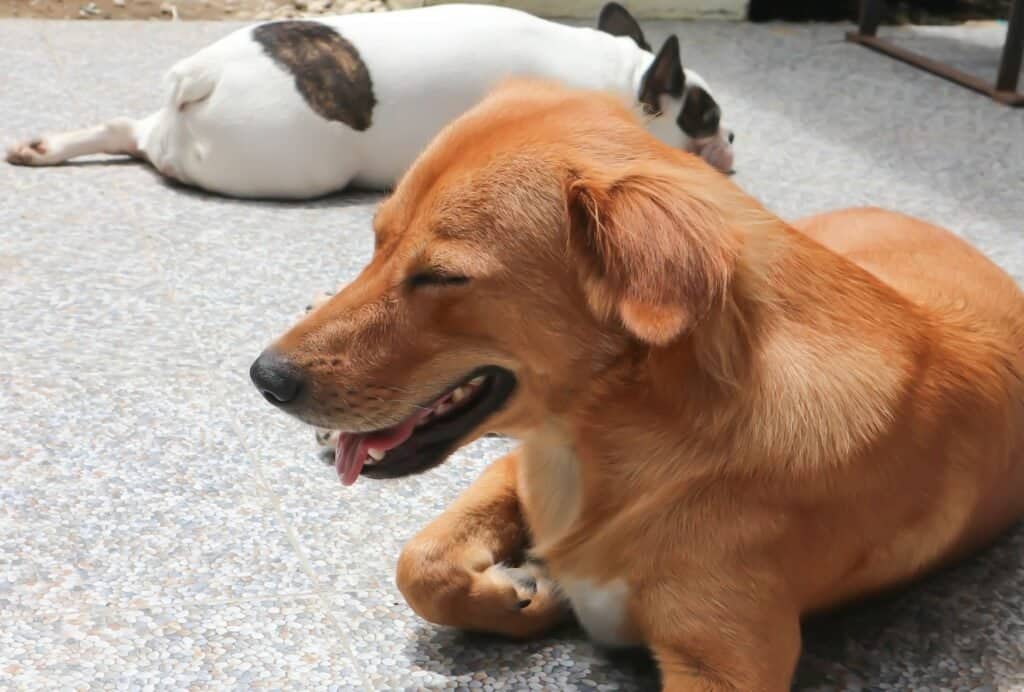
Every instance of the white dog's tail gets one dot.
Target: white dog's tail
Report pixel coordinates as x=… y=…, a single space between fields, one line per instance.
x=190 y=81
x=166 y=135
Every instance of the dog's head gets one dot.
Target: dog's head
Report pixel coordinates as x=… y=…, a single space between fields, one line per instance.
x=539 y=239
x=680 y=102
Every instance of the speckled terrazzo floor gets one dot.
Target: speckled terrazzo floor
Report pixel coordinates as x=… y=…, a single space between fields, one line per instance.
x=162 y=527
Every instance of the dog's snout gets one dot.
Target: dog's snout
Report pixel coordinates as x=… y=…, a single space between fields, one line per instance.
x=279 y=380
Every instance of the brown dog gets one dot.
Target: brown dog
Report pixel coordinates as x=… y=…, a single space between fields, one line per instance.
x=727 y=421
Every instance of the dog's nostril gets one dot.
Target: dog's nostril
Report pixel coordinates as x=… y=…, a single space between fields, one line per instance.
x=272 y=397
x=732 y=137
x=277 y=378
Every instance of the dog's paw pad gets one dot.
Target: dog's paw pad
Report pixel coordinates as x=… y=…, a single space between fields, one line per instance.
x=27 y=153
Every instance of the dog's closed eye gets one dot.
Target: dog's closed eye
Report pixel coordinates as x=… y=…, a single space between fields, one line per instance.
x=434 y=277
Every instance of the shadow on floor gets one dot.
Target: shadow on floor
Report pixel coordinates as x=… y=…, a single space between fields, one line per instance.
x=452 y=653
x=876 y=643
x=349 y=197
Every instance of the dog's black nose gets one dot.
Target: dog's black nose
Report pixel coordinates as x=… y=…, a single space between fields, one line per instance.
x=277 y=378
x=732 y=137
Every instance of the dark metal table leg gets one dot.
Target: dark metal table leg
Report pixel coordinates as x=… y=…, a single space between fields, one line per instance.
x=1009 y=67
x=1005 y=88
x=870 y=17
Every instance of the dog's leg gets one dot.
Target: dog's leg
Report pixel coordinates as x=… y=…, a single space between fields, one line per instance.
x=700 y=648
x=456 y=571
x=115 y=137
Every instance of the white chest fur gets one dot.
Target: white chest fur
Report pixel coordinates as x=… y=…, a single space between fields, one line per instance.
x=550 y=487
x=601 y=609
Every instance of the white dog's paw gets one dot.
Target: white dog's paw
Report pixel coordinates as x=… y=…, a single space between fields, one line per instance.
x=32 y=153
x=326 y=439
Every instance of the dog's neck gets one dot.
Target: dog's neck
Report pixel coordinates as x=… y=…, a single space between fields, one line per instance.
x=793 y=375
x=804 y=332
x=760 y=377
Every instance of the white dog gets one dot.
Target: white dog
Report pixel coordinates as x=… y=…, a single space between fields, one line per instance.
x=298 y=109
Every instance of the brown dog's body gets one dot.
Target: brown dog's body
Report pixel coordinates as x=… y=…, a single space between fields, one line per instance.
x=727 y=421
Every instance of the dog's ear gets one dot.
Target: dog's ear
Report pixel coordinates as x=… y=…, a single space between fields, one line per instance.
x=649 y=254
x=664 y=76
x=617 y=21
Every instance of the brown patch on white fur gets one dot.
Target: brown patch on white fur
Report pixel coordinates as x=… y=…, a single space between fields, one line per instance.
x=329 y=73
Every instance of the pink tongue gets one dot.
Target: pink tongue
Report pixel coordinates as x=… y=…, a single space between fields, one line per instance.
x=354 y=448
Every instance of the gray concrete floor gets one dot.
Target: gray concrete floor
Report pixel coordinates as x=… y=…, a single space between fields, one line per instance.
x=161 y=526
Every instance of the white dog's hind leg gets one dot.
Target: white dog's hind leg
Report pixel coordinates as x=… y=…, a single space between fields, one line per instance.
x=116 y=137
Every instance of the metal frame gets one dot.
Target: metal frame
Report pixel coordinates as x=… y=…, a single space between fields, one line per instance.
x=1005 y=88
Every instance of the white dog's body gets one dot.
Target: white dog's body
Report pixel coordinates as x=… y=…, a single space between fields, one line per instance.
x=236 y=121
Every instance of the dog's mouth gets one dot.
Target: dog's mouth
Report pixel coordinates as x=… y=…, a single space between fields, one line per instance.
x=427 y=436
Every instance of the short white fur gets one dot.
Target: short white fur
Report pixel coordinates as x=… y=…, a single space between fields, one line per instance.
x=234 y=122
x=601 y=609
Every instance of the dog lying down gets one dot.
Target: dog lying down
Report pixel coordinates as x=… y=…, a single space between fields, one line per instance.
x=727 y=421
x=298 y=109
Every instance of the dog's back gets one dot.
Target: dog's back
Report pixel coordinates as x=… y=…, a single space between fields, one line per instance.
x=978 y=310
x=915 y=258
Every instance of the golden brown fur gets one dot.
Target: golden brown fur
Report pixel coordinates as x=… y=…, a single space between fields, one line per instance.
x=739 y=419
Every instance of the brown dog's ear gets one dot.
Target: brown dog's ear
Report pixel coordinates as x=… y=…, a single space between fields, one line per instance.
x=650 y=253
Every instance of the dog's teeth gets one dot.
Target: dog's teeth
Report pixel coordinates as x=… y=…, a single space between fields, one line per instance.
x=459 y=394
x=376 y=454
x=442 y=408
x=477 y=381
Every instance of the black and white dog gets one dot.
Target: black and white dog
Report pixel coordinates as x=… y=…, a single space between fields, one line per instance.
x=298 y=109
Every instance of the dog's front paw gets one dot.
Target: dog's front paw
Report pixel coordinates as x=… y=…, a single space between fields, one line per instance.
x=31 y=153
x=327 y=441
x=326 y=438
x=538 y=599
